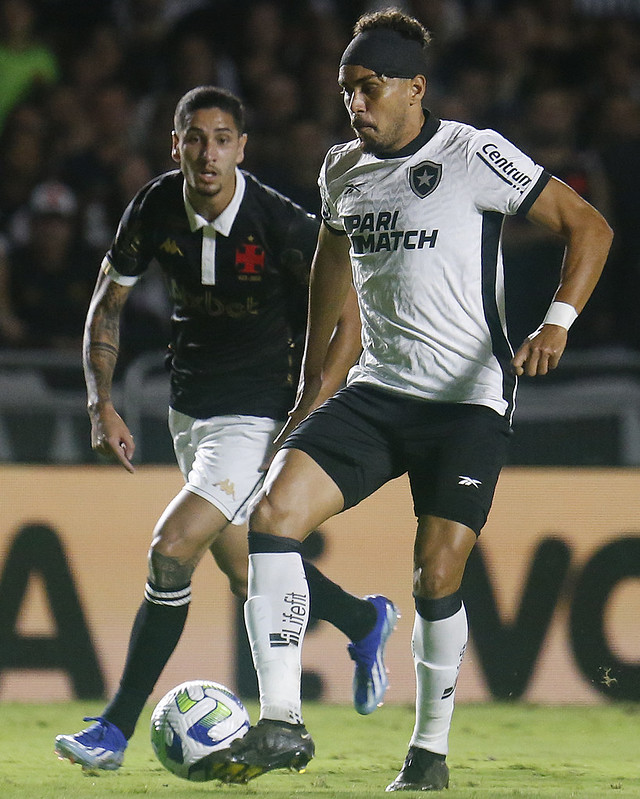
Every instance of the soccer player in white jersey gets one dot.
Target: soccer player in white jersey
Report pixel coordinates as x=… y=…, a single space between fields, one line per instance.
x=413 y=210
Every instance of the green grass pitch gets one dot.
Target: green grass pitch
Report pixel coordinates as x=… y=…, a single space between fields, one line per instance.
x=497 y=750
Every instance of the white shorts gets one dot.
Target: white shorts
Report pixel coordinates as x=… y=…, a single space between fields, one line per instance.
x=220 y=458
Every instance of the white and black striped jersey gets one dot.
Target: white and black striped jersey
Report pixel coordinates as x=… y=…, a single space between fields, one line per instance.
x=239 y=287
x=424 y=226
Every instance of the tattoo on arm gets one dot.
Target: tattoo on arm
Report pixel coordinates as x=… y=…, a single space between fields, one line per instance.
x=102 y=338
x=108 y=349
x=168 y=573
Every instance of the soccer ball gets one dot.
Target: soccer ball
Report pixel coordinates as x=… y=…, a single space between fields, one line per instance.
x=194 y=719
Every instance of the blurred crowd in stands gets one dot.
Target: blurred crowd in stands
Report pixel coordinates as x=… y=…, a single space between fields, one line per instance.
x=88 y=89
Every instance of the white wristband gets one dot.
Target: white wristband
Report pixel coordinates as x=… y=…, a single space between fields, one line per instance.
x=561 y=314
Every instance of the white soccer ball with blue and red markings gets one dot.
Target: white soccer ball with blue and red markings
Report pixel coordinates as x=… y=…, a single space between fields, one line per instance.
x=194 y=719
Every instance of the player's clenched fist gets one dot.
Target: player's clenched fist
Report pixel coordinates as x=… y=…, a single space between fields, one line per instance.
x=540 y=352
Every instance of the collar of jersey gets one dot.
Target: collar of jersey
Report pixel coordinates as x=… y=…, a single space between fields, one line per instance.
x=429 y=127
x=224 y=221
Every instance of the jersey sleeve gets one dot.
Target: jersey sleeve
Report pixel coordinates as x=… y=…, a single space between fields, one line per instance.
x=330 y=215
x=501 y=177
x=299 y=245
x=296 y=258
x=129 y=254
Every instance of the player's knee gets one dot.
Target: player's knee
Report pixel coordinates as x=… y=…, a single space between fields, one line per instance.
x=172 y=547
x=266 y=516
x=173 y=539
x=235 y=570
x=167 y=572
x=436 y=579
x=171 y=562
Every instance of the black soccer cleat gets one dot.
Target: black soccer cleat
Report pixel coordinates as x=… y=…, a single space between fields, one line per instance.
x=422 y=771
x=267 y=746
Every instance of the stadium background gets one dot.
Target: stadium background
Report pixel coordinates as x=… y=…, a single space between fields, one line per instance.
x=87 y=91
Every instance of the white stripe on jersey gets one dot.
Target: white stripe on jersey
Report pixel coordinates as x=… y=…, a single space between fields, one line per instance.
x=112 y=273
x=208 y=259
x=425 y=235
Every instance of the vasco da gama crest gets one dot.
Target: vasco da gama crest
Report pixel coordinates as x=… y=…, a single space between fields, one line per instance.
x=424 y=178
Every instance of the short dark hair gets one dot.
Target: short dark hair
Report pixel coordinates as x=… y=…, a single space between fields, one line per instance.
x=208 y=97
x=395 y=20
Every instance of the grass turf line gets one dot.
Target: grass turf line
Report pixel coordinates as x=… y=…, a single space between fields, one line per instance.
x=497 y=750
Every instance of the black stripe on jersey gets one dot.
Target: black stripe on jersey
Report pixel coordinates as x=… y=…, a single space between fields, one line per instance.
x=491 y=227
x=499 y=174
x=525 y=205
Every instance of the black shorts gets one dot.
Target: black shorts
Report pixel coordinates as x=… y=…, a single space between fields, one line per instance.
x=453 y=453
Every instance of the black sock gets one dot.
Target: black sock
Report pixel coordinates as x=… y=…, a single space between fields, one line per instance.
x=353 y=616
x=154 y=636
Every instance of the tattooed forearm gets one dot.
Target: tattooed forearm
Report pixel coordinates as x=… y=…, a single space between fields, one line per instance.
x=107 y=349
x=102 y=338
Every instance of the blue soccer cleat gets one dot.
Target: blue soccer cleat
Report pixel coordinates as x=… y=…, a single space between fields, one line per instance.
x=370 y=680
x=100 y=746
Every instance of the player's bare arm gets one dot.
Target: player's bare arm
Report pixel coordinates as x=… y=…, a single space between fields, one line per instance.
x=329 y=288
x=343 y=351
x=588 y=239
x=333 y=342
x=329 y=352
x=110 y=436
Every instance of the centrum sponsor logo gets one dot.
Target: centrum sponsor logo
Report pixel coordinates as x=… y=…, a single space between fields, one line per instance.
x=503 y=167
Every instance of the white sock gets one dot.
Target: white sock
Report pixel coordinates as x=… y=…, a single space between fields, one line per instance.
x=276 y=615
x=438 y=648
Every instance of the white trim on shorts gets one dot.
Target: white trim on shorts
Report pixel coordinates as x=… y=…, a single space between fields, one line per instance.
x=220 y=458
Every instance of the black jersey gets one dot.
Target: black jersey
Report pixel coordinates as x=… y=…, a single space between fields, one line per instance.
x=232 y=341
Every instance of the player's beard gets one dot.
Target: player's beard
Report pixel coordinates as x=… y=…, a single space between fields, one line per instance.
x=379 y=143
x=375 y=146
x=367 y=145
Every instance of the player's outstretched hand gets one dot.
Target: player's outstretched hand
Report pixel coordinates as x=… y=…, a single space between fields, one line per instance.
x=540 y=352
x=111 y=437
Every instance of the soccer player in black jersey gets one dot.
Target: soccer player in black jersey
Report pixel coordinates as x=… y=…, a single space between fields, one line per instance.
x=236 y=256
